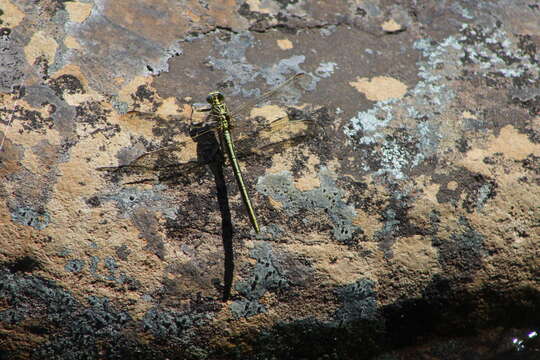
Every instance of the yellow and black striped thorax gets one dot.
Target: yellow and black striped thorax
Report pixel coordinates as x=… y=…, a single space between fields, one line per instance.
x=219 y=109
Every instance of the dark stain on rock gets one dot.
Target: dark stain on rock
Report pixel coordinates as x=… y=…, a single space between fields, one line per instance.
x=169 y=128
x=477 y=188
x=532 y=163
x=90 y=329
x=62 y=118
x=67 y=84
x=197 y=214
x=527 y=44
x=142 y=94
x=122 y=252
x=532 y=104
x=359 y=301
x=284 y=3
x=93 y=201
x=461 y=254
x=444 y=309
x=41 y=64
x=91 y=113
x=462 y=145
x=260 y=21
x=25 y=264
x=148 y=225
x=322 y=140
x=360 y=197
x=397 y=223
x=32 y=120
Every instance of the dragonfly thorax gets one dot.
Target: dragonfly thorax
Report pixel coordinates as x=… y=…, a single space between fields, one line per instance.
x=215 y=98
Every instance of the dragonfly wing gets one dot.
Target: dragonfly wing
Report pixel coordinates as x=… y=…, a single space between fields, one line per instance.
x=274 y=137
x=292 y=81
x=171 y=164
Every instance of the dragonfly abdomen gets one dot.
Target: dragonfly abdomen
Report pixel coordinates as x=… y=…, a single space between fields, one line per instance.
x=221 y=112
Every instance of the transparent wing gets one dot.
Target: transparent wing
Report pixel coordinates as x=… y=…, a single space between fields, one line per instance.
x=178 y=162
x=185 y=162
x=165 y=165
x=294 y=80
x=272 y=138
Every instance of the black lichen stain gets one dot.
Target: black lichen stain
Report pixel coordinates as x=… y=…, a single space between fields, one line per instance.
x=145 y=94
x=122 y=252
x=461 y=254
x=32 y=120
x=261 y=22
x=196 y=213
x=93 y=201
x=169 y=128
x=478 y=188
x=462 y=145
x=397 y=223
x=323 y=141
x=66 y=84
x=532 y=105
x=528 y=46
x=284 y=3
x=148 y=225
x=92 y=114
x=25 y=264
x=532 y=163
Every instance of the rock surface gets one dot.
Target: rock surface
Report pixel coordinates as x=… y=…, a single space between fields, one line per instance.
x=401 y=222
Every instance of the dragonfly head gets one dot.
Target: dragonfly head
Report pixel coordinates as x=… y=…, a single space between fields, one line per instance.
x=215 y=97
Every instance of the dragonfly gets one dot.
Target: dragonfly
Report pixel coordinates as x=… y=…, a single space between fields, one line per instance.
x=169 y=163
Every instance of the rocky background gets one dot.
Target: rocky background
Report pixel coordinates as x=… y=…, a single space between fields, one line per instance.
x=401 y=222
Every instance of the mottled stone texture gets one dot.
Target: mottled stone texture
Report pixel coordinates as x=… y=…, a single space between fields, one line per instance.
x=400 y=217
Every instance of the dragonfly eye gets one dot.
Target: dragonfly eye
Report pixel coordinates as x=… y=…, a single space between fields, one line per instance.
x=215 y=97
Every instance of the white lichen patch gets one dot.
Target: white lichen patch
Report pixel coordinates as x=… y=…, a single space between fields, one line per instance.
x=326 y=69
